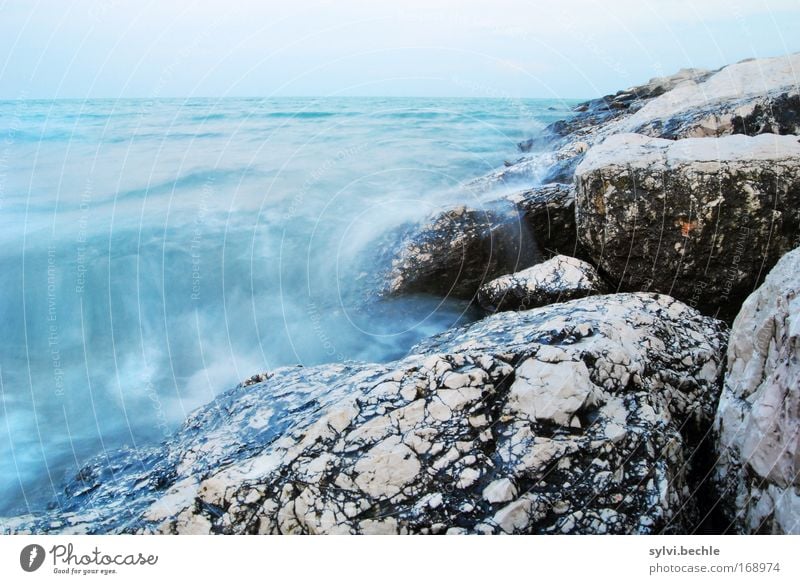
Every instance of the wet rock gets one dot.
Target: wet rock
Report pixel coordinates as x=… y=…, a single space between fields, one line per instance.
x=549 y=211
x=535 y=168
x=564 y=419
x=558 y=279
x=460 y=249
x=526 y=145
x=701 y=219
x=758 y=420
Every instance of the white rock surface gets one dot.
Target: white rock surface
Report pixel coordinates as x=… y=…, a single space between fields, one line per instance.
x=564 y=419
x=642 y=152
x=713 y=102
x=558 y=279
x=758 y=420
x=752 y=97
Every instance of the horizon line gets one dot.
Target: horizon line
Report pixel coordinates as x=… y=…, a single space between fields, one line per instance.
x=299 y=96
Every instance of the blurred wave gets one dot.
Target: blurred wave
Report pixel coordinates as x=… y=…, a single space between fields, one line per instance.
x=155 y=252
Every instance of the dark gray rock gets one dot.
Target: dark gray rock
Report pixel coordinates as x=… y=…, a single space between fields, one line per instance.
x=457 y=251
x=702 y=219
x=549 y=211
x=566 y=419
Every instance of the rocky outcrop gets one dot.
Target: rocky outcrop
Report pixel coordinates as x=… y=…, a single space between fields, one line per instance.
x=455 y=252
x=701 y=219
x=449 y=256
x=758 y=421
x=751 y=97
x=566 y=419
x=596 y=113
x=558 y=279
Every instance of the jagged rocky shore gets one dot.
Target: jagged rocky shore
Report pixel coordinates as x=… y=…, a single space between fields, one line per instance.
x=638 y=370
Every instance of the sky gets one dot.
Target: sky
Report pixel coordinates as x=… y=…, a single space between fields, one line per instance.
x=488 y=48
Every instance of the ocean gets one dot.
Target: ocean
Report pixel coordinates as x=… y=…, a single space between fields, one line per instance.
x=157 y=252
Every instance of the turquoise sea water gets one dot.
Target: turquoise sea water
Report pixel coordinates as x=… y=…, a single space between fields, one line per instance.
x=154 y=253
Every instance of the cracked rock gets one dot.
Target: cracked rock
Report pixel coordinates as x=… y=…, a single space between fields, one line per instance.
x=701 y=219
x=753 y=97
x=558 y=279
x=758 y=420
x=563 y=419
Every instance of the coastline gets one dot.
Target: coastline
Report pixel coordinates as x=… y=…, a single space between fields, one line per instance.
x=583 y=404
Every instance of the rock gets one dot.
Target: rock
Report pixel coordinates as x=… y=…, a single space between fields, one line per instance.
x=561 y=165
x=701 y=219
x=558 y=279
x=549 y=211
x=594 y=121
x=460 y=249
x=564 y=419
x=535 y=168
x=758 y=420
x=526 y=145
x=257 y=378
x=598 y=112
x=752 y=97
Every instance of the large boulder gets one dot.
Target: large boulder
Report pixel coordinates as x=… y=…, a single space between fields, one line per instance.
x=758 y=420
x=558 y=279
x=751 y=97
x=456 y=251
x=566 y=419
x=702 y=219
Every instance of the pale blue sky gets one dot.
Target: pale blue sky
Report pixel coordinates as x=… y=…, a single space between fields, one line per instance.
x=500 y=48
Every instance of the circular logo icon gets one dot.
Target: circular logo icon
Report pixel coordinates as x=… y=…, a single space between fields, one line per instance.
x=31 y=557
